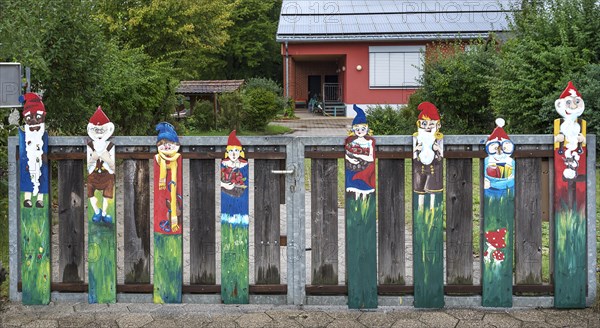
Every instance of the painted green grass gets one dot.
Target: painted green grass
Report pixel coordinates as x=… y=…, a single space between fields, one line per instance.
x=361 y=251
x=234 y=264
x=35 y=253
x=570 y=274
x=102 y=256
x=168 y=268
x=497 y=278
x=428 y=266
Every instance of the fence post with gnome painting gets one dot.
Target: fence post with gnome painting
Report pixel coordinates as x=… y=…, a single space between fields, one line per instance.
x=168 y=216
x=234 y=224
x=34 y=202
x=428 y=209
x=570 y=201
x=498 y=219
x=102 y=242
x=361 y=242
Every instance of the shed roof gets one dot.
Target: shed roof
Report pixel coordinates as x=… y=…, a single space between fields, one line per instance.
x=208 y=86
x=362 y=20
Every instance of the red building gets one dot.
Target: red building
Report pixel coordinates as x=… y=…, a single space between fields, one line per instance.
x=371 y=52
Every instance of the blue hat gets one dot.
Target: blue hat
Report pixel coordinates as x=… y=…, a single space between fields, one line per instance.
x=360 y=117
x=166 y=131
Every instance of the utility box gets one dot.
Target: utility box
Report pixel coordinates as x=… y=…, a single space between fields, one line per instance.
x=10 y=84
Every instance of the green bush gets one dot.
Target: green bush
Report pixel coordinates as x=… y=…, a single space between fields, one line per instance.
x=203 y=116
x=260 y=107
x=231 y=111
x=385 y=119
x=263 y=83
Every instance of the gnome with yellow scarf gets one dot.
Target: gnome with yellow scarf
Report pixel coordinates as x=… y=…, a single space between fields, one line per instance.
x=168 y=187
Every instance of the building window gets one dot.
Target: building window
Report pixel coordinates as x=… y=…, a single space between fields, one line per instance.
x=395 y=66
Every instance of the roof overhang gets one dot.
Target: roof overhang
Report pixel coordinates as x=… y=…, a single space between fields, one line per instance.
x=382 y=37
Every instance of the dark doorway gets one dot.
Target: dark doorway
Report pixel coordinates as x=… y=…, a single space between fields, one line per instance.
x=314 y=86
x=331 y=79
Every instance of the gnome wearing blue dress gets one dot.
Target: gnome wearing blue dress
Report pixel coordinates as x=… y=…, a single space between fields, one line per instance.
x=360 y=157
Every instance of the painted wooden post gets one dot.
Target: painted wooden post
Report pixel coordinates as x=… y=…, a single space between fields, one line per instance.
x=361 y=242
x=168 y=216
x=570 y=269
x=102 y=243
x=234 y=224
x=34 y=202
x=498 y=219
x=428 y=209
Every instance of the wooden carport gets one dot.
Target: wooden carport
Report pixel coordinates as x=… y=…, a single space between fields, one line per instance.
x=207 y=90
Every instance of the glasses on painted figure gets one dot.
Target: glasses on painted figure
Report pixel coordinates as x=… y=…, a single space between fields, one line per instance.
x=497 y=147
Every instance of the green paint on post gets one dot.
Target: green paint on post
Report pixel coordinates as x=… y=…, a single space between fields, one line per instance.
x=497 y=275
x=570 y=274
x=168 y=268
x=361 y=252
x=35 y=253
x=234 y=263
x=428 y=213
x=102 y=256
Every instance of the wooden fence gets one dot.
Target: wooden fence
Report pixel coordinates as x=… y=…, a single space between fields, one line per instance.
x=279 y=188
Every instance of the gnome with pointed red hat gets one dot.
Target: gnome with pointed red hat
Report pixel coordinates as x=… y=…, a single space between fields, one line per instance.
x=233 y=167
x=33 y=148
x=499 y=165
x=428 y=150
x=570 y=106
x=101 y=164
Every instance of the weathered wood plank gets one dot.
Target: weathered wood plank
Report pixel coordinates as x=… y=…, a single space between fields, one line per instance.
x=202 y=222
x=391 y=222
x=459 y=221
x=266 y=224
x=136 y=216
x=70 y=225
x=324 y=221
x=528 y=222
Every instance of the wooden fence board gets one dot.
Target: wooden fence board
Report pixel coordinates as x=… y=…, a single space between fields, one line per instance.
x=324 y=221
x=70 y=225
x=459 y=221
x=136 y=220
x=202 y=222
x=266 y=222
x=528 y=221
x=391 y=221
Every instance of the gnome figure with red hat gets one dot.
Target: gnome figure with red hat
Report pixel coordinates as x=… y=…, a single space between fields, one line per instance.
x=100 y=164
x=233 y=180
x=499 y=166
x=33 y=147
x=570 y=138
x=428 y=151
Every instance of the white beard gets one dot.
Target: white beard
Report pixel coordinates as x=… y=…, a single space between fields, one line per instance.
x=34 y=146
x=427 y=139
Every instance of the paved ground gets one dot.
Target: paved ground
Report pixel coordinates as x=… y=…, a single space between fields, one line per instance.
x=199 y=315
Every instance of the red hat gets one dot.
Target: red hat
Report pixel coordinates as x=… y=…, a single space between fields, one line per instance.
x=498 y=132
x=233 y=140
x=569 y=90
x=99 y=118
x=428 y=111
x=33 y=102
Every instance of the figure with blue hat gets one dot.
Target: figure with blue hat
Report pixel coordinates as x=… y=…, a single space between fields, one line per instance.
x=168 y=213
x=361 y=243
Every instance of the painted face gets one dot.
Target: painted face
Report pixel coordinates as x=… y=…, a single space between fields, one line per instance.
x=33 y=119
x=500 y=150
x=569 y=107
x=428 y=125
x=167 y=147
x=360 y=130
x=234 y=153
x=100 y=132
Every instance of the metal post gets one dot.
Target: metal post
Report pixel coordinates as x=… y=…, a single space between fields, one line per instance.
x=287 y=71
x=13 y=223
x=591 y=220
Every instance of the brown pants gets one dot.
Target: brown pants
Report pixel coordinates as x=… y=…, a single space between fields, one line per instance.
x=101 y=181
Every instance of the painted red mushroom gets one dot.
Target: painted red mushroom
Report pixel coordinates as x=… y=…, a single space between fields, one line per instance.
x=498 y=255
x=496 y=238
